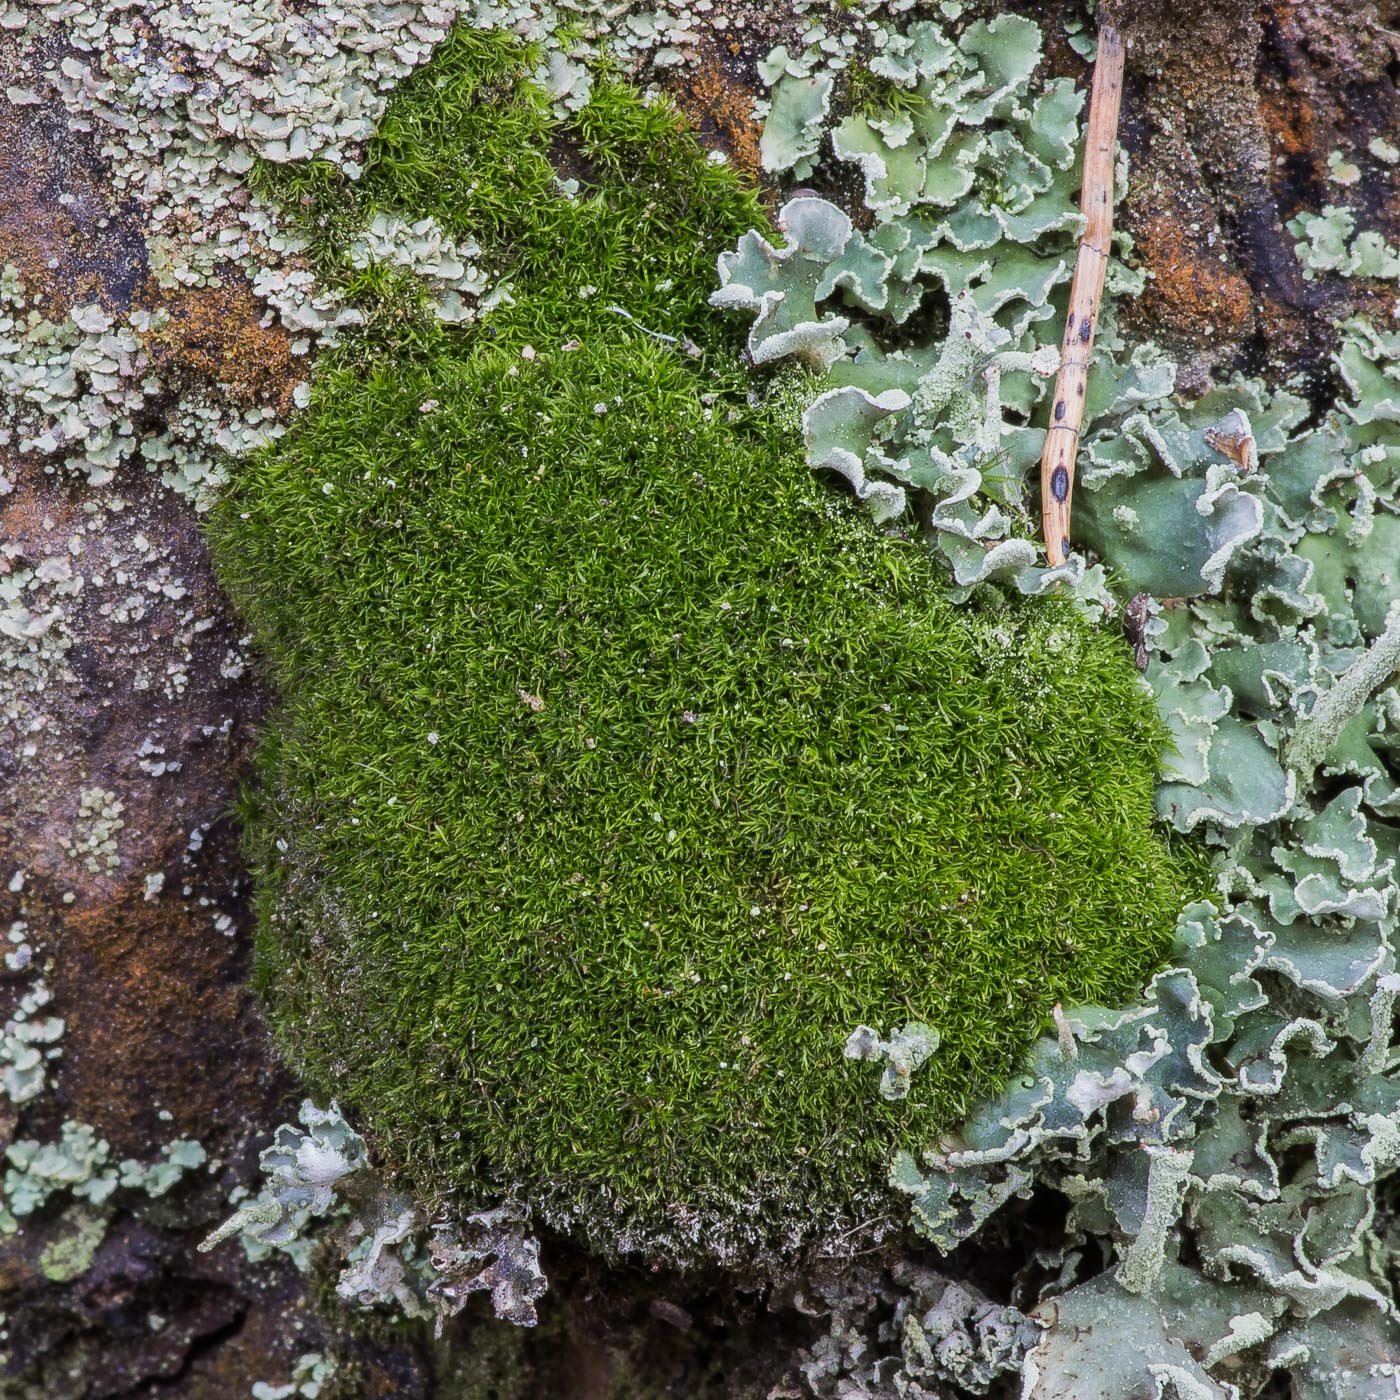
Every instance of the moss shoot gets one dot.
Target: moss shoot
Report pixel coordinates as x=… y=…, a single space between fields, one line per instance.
x=621 y=768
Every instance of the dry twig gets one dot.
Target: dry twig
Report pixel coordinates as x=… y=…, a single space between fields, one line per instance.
x=1085 y=294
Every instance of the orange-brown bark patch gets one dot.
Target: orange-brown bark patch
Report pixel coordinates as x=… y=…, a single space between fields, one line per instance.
x=1191 y=293
x=1292 y=123
x=718 y=99
x=158 y=1021
x=217 y=333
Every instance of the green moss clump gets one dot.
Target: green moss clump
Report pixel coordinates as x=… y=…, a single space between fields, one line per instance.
x=621 y=769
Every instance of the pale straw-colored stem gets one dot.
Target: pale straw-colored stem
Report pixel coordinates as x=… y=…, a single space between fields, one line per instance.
x=1085 y=295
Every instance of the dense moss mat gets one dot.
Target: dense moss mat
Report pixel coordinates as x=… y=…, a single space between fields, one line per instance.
x=622 y=769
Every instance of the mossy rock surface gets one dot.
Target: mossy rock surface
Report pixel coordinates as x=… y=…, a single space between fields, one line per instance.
x=622 y=769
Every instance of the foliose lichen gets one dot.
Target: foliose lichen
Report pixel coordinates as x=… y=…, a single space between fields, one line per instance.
x=78 y=1164
x=908 y=1334
x=902 y=1053
x=1328 y=242
x=80 y=392
x=1231 y=1139
x=311 y=1372
x=969 y=177
x=319 y=1185
x=28 y=1040
x=1272 y=1037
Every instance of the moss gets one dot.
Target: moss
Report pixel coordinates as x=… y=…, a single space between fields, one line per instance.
x=874 y=94
x=622 y=770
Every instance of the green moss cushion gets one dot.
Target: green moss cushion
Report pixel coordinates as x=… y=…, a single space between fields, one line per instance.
x=621 y=771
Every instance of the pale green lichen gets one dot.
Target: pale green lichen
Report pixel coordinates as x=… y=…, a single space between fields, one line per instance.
x=1230 y=1140
x=391 y=1254
x=94 y=836
x=71 y=1254
x=1342 y=171
x=795 y=124
x=78 y=1164
x=28 y=1041
x=970 y=178
x=311 y=1373
x=61 y=1195
x=1083 y=44
x=422 y=248
x=1328 y=242
x=1273 y=1033
x=79 y=393
x=902 y=1053
x=302 y=1167
x=1316 y=733
x=909 y=1334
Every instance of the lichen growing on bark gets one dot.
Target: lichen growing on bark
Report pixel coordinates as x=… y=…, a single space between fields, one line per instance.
x=1228 y=1143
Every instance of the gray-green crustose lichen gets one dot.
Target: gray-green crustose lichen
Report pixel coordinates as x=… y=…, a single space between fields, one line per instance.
x=635 y=823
